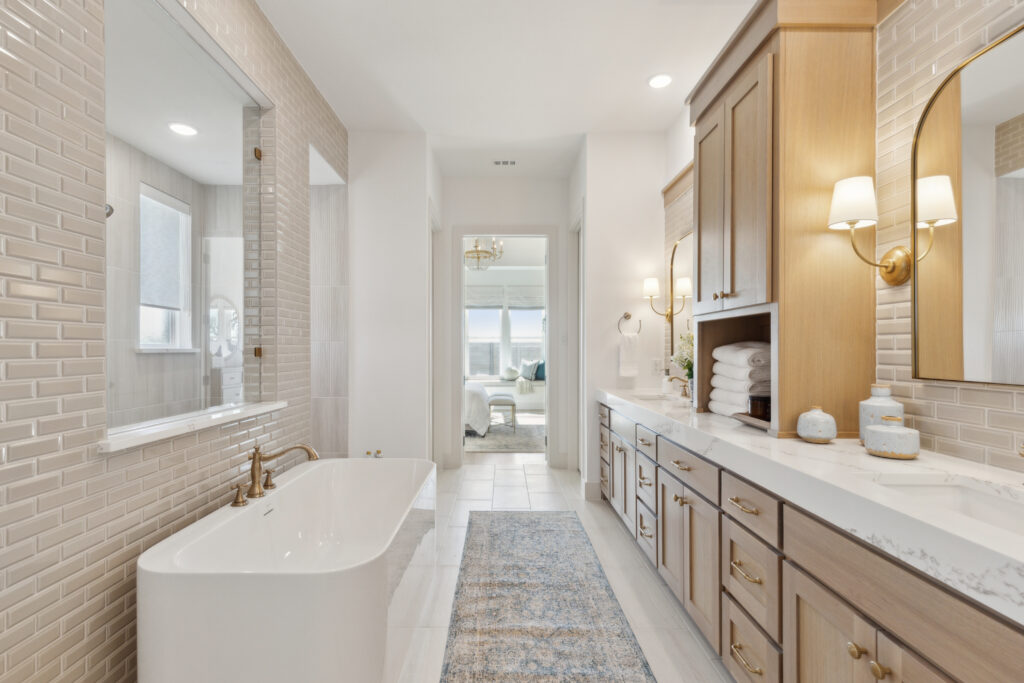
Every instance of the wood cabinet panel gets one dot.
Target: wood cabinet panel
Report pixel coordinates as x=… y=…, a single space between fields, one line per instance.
x=629 y=487
x=624 y=428
x=618 y=475
x=746 y=249
x=826 y=641
x=702 y=580
x=604 y=415
x=647 y=532
x=754 y=508
x=606 y=479
x=691 y=469
x=647 y=442
x=605 y=441
x=709 y=211
x=904 y=666
x=671 y=532
x=746 y=652
x=752 y=575
x=646 y=484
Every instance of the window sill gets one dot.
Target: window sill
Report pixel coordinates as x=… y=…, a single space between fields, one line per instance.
x=144 y=350
x=144 y=433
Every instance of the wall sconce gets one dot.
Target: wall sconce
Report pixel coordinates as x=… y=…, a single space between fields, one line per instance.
x=854 y=207
x=681 y=288
x=936 y=206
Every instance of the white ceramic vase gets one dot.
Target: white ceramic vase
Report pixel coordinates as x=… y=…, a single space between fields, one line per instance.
x=892 y=440
x=816 y=426
x=879 y=405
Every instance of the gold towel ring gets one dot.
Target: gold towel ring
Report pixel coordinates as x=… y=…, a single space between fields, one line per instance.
x=629 y=316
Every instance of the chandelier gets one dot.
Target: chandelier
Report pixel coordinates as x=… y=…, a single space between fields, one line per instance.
x=479 y=258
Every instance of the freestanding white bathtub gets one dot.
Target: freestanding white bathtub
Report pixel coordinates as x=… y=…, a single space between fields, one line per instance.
x=294 y=586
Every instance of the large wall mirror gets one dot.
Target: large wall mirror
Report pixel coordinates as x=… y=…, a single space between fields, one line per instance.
x=968 y=208
x=183 y=217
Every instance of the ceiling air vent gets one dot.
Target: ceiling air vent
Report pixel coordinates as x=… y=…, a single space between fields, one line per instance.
x=504 y=162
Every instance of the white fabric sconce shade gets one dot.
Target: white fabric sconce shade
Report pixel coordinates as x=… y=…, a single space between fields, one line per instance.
x=684 y=287
x=936 y=204
x=651 y=289
x=853 y=204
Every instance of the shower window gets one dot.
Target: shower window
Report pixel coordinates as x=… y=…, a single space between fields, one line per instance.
x=165 y=273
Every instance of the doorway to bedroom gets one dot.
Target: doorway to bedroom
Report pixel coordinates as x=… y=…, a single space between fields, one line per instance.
x=505 y=343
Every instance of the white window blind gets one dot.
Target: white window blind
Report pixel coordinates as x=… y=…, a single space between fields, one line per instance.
x=165 y=227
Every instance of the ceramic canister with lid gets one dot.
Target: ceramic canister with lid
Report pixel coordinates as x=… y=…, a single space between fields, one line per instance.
x=879 y=405
x=892 y=440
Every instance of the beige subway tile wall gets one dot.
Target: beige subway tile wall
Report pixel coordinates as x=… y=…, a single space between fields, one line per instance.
x=73 y=522
x=1010 y=146
x=918 y=45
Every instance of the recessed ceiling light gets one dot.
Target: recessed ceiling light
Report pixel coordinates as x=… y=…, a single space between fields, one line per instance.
x=659 y=81
x=182 y=129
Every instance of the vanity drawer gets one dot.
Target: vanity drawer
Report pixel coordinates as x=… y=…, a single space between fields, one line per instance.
x=624 y=427
x=646 y=441
x=646 y=531
x=646 y=475
x=604 y=414
x=748 y=654
x=755 y=509
x=752 y=574
x=606 y=479
x=691 y=469
x=606 y=445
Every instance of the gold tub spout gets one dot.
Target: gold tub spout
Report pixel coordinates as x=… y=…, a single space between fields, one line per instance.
x=258 y=458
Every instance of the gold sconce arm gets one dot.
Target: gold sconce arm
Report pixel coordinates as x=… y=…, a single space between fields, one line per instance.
x=931 y=241
x=896 y=264
x=670 y=313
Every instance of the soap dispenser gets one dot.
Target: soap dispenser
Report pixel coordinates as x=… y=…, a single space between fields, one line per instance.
x=881 y=404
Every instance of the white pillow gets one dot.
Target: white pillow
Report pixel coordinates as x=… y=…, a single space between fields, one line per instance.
x=528 y=369
x=509 y=374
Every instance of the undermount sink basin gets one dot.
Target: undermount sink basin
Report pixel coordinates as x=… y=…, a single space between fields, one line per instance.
x=992 y=503
x=650 y=395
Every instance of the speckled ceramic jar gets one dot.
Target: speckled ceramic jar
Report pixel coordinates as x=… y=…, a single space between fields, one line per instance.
x=816 y=426
x=892 y=440
x=879 y=405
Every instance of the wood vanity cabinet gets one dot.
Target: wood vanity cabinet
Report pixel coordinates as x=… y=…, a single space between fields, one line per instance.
x=733 y=162
x=618 y=475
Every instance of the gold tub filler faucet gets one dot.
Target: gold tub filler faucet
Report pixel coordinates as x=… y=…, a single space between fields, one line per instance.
x=258 y=489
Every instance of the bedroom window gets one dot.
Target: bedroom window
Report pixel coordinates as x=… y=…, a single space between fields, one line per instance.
x=526 y=341
x=483 y=342
x=500 y=337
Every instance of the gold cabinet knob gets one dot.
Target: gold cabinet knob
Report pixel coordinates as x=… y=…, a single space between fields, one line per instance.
x=879 y=671
x=268 y=483
x=239 y=500
x=676 y=498
x=715 y=296
x=855 y=650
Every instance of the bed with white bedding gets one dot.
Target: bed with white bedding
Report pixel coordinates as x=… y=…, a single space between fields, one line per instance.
x=476 y=409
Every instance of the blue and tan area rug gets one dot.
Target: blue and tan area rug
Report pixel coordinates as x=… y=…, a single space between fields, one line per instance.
x=533 y=604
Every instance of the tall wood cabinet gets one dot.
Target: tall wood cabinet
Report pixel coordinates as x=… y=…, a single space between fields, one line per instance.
x=785 y=111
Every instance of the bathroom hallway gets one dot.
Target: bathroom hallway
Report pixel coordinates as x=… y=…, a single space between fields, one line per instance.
x=422 y=605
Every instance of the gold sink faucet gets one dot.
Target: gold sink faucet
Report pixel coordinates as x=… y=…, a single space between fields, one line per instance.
x=256 y=488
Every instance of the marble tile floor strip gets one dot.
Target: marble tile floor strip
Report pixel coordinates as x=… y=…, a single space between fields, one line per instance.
x=422 y=605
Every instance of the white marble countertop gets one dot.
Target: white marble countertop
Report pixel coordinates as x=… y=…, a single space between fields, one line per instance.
x=842 y=484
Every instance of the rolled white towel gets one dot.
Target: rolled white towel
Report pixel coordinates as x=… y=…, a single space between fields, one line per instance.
x=744 y=386
x=727 y=409
x=759 y=374
x=753 y=354
x=734 y=397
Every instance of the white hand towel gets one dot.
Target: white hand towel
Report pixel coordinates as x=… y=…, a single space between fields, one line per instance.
x=743 y=386
x=736 y=398
x=727 y=409
x=759 y=374
x=628 y=346
x=752 y=354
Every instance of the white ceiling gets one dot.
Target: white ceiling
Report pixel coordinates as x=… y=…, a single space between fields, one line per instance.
x=156 y=74
x=504 y=79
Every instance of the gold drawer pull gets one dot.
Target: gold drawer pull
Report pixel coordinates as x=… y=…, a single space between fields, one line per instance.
x=678 y=464
x=603 y=441
x=756 y=670
x=620 y=449
x=644 y=532
x=715 y=296
x=879 y=671
x=604 y=482
x=743 y=508
x=855 y=650
x=678 y=499
x=644 y=442
x=738 y=566
x=644 y=481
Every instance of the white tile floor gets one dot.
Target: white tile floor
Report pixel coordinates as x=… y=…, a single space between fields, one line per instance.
x=422 y=604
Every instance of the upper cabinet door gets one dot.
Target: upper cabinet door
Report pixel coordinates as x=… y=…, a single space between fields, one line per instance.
x=709 y=211
x=747 y=236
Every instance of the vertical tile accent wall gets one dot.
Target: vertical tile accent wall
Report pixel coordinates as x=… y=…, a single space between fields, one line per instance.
x=918 y=45
x=73 y=522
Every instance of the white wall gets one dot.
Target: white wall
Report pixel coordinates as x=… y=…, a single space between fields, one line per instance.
x=678 y=146
x=389 y=317
x=513 y=205
x=978 y=198
x=623 y=242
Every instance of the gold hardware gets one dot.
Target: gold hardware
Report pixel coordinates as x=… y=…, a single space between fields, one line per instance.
x=644 y=532
x=676 y=498
x=240 y=500
x=376 y=453
x=738 y=566
x=268 y=481
x=644 y=481
x=750 y=511
x=258 y=352
x=619 y=449
x=680 y=466
x=258 y=153
x=715 y=296
x=603 y=441
x=879 y=671
x=896 y=265
x=855 y=650
x=677 y=379
x=644 y=442
x=670 y=313
x=726 y=295
x=756 y=670
x=1020 y=451
x=256 y=489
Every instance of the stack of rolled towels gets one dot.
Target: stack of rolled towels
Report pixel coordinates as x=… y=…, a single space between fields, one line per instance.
x=741 y=370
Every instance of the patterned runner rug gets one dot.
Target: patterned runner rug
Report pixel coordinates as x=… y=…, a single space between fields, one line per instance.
x=533 y=604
